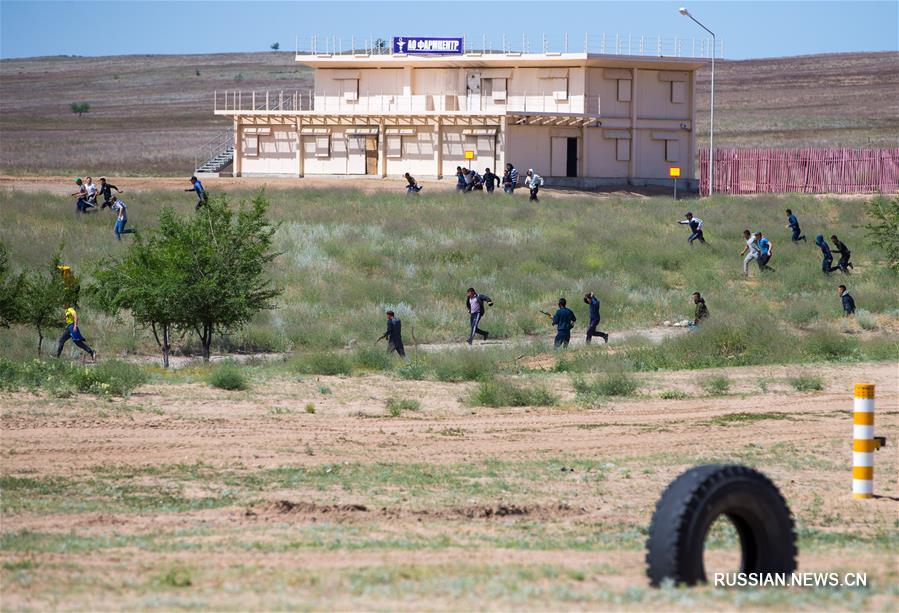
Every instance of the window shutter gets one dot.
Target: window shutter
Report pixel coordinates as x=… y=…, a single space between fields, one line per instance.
x=672 y=150
x=560 y=88
x=251 y=145
x=323 y=145
x=623 y=149
x=499 y=90
x=678 y=92
x=350 y=89
x=394 y=146
x=624 y=90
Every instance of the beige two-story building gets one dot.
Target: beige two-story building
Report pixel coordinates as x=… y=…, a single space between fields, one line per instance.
x=579 y=119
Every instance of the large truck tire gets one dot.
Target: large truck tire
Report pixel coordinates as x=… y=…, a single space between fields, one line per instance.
x=692 y=503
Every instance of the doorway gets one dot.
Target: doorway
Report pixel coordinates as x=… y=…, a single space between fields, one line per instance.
x=371 y=155
x=563 y=162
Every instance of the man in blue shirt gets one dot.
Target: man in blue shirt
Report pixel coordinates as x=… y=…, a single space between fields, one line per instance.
x=793 y=224
x=848 y=301
x=765 y=252
x=563 y=320
x=695 y=224
x=202 y=196
x=827 y=256
x=394 y=335
x=593 y=302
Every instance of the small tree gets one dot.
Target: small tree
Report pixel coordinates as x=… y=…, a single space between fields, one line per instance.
x=11 y=290
x=80 y=108
x=883 y=229
x=275 y=46
x=44 y=299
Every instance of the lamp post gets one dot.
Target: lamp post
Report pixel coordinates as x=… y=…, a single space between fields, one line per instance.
x=683 y=11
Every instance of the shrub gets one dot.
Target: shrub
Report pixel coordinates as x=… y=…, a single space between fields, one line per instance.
x=228 y=376
x=617 y=383
x=396 y=406
x=718 y=384
x=883 y=227
x=865 y=319
x=465 y=365
x=673 y=395
x=109 y=378
x=413 y=369
x=325 y=363
x=372 y=358
x=310 y=408
x=502 y=393
x=80 y=108
x=830 y=345
x=806 y=382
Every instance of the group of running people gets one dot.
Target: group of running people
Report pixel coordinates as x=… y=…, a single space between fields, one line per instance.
x=88 y=195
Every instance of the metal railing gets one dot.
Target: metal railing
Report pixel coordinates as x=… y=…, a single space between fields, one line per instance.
x=605 y=44
x=397 y=103
x=213 y=147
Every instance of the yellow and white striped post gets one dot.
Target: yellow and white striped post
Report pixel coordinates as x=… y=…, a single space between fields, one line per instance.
x=863 y=443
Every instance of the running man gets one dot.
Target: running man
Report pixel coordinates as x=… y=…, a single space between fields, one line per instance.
x=827 y=257
x=751 y=250
x=394 y=335
x=533 y=182
x=106 y=191
x=793 y=224
x=695 y=224
x=121 y=209
x=460 y=179
x=490 y=180
x=476 y=304
x=840 y=247
x=510 y=179
x=202 y=196
x=593 y=302
x=82 y=205
x=848 y=301
x=73 y=332
x=563 y=320
x=413 y=187
x=91 y=190
x=702 y=312
x=765 y=252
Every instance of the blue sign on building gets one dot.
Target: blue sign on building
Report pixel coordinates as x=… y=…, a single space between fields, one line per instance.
x=418 y=45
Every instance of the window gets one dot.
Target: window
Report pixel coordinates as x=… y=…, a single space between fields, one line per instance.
x=672 y=150
x=499 y=90
x=251 y=145
x=322 y=145
x=678 y=92
x=560 y=88
x=487 y=87
x=394 y=146
x=624 y=90
x=350 y=88
x=623 y=149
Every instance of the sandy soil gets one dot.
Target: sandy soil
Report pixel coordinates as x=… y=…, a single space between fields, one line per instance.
x=640 y=444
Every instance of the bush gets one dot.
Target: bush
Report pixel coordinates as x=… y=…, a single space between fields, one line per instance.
x=619 y=383
x=719 y=384
x=865 y=319
x=310 y=408
x=396 y=406
x=830 y=345
x=806 y=382
x=502 y=393
x=228 y=376
x=673 y=395
x=414 y=370
x=372 y=358
x=326 y=363
x=62 y=379
x=465 y=365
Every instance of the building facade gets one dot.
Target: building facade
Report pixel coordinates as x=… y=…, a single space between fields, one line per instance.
x=578 y=119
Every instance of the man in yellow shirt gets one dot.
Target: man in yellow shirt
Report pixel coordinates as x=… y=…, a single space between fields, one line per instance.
x=72 y=331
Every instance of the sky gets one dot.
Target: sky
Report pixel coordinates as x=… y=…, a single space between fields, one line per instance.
x=748 y=29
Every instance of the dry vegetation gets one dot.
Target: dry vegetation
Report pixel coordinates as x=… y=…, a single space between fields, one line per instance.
x=150 y=114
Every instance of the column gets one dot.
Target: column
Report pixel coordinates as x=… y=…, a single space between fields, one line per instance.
x=692 y=172
x=585 y=156
x=501 y=147
x=301 y=157
x=632 y=163
x=238 y=149
x=382 y=149
x=439 y=151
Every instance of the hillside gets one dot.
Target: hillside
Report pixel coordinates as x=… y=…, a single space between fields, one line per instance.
x=150 y=114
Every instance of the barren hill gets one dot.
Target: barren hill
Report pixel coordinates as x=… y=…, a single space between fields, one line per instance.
x=151 y=114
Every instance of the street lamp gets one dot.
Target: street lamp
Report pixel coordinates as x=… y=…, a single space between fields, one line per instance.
x=683 y=11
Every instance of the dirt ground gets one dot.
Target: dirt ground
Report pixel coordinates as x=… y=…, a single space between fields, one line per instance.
x=187 y=496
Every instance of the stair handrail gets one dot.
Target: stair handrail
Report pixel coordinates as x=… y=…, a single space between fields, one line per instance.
x=213 y=147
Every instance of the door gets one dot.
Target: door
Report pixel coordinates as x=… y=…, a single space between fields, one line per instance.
x=473 y=85
x=371 y=155
x=571 y=165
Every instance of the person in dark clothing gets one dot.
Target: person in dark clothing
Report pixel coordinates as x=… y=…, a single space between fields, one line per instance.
x=73 y=332
x=827 y=257
x=593 y=302
x=793 y=224
x=510 y=179
x=202 y=196
x=475 y=303
x=461 y=183
x=563 y=320
x=702 y=311
x=840 y=247
x=490 y=180
x=413 y=187
x=82 y=204
x=105 y=191
x=848 y=301
x=394 y=335
x=695 y=224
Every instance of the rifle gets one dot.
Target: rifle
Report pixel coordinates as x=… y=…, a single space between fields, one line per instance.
x=380 y=338
x=547 y=314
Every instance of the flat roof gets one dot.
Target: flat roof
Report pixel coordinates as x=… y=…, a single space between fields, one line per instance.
x=498 y=60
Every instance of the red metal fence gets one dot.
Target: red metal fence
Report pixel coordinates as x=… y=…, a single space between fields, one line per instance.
x=810 y=171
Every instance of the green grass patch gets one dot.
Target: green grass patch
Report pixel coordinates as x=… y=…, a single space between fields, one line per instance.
x=396 y=406
x=493 y=392
x=716 y=385
x=743 y=417
x=228 y=376
x=806 y=382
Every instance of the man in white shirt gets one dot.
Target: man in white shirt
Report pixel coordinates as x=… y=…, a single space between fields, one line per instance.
x=751 y=250
x=533 y=182
x=121 y=211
